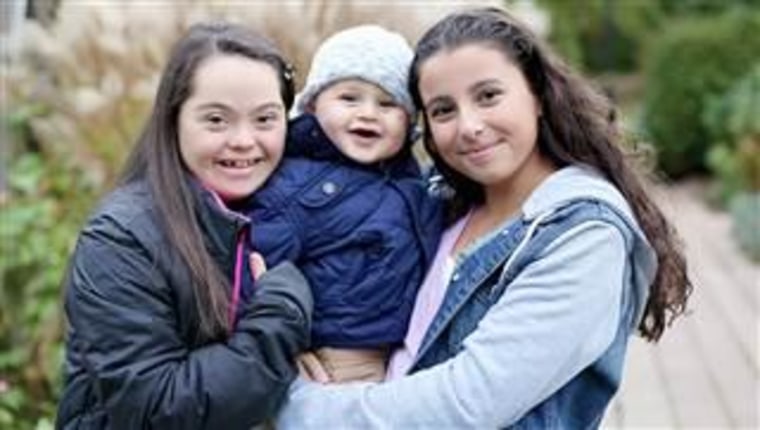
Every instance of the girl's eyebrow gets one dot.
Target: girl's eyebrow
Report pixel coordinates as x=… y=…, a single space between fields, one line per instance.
x=269 y=105
x=437 y=99
x=224 y=107
x=211 y=106
x=473 y=88
x=484 y=83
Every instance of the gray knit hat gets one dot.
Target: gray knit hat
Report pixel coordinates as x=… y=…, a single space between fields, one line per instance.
x=367 y=52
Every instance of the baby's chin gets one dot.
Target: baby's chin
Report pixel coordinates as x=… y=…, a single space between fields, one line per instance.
x=367 y=157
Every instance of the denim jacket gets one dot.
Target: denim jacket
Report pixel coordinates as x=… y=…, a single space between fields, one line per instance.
x=480 y=281
x=532 y=330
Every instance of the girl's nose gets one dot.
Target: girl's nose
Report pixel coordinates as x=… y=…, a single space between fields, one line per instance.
x=471 y=123
x=243 y=137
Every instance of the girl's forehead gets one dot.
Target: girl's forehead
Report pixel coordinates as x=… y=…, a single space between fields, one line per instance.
x=464 y=65
x=220 y=69
x=471 y=56
x=234 y=80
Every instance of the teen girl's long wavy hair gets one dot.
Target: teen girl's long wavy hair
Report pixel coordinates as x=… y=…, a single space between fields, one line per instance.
x=156 y=157
x=577 y=126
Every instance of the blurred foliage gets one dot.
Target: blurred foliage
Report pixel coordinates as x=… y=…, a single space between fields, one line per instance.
x=745 y=208
x=694 y=61
x=734 y=123
x=77 y=94
x=612 y=35
x=734 y=158
x=43 y=206
x=701 y=7
x=701 y=109
x=601 y=35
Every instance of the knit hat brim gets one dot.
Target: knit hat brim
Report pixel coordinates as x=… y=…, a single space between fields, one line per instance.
x=369 y=53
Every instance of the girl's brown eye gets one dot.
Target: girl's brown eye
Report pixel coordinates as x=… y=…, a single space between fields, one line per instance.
x=266 y=118
x=488 y=95
x=441 y=110
x=215 y=121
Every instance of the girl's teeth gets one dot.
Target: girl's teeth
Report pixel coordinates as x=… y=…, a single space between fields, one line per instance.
x=237 y=163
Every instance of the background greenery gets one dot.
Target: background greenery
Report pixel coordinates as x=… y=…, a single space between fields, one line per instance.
x=685 y=72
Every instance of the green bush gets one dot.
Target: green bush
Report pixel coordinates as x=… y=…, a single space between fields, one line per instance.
x=608 y=35
x=692 y=62
x=601 y=35
x=42 y=208
x=734 y=123
x=73 y=106
x=745 y=208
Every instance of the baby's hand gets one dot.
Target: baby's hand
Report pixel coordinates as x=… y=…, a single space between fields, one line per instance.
x=312 y=369
x=257 y=264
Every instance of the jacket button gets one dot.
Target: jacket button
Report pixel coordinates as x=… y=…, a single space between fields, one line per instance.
x=455 y=276
x=329 y=188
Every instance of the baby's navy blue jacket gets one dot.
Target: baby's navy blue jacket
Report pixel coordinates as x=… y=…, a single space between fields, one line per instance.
x=363 y=235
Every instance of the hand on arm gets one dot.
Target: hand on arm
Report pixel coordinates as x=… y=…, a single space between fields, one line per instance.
x=309 y=366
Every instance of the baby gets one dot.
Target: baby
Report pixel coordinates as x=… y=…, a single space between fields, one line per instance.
x=348 y=203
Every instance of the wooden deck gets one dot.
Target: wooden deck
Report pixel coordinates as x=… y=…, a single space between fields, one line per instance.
x=704 y=372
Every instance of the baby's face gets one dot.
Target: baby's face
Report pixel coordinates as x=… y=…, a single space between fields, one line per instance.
x=362 y=120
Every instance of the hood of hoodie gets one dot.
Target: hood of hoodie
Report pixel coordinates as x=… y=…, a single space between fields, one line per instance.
x=570 y=184
x=574 y=183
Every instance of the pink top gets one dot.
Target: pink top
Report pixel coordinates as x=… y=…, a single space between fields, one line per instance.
x=428 y=300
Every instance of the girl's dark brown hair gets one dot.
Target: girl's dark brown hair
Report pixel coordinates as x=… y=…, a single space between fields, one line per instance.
x=577 y=126
x=156 y=156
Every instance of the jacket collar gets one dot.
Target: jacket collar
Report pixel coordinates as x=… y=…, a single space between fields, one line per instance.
x=220 y=224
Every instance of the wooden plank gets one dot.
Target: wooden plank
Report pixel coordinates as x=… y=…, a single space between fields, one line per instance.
x=696 y=402
x=725 y=308
x=731 y=367
x=727 y=328
x=704 y=373
x=614 y=416
x=644 y=397
x=713 y=229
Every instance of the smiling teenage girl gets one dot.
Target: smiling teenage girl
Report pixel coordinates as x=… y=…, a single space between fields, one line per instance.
x=158 y=337
x=554 y=257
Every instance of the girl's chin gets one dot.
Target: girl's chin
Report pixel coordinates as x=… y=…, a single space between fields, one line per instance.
x=228 y=194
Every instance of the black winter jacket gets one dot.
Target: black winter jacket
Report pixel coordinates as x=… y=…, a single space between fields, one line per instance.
x=134 y=359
